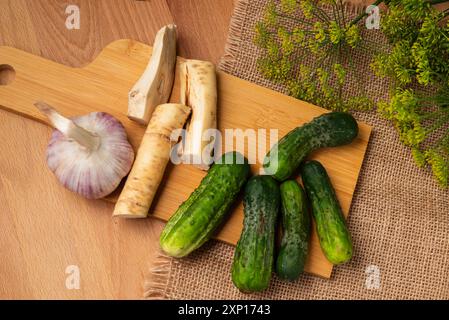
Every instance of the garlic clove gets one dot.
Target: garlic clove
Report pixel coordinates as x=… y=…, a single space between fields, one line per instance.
x=89 y=154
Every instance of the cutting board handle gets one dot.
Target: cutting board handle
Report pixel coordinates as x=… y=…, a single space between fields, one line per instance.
x=101 y=85
x=7 y=74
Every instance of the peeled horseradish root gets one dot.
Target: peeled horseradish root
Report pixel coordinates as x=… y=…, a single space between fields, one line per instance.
x=155 y=85
x=89 y=154
x=199 y=91
x=151 y=160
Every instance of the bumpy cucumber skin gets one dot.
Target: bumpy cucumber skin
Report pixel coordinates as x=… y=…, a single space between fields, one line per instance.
x=335 y=240
x=197 y=218
x=328 y=130
x=295 y=231
x=254 y=253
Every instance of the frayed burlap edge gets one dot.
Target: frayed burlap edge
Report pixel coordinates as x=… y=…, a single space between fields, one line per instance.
x=234 y=35
x=157 y=281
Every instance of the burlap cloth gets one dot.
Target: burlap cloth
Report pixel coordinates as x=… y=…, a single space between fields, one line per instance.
x=399 y=218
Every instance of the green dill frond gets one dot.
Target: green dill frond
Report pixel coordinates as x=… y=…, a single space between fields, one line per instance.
x=440 y=167
x=419 y=157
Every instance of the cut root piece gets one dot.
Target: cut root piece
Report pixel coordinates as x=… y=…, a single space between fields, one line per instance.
x=155 y=85
x=151 y=160
x=199 y=91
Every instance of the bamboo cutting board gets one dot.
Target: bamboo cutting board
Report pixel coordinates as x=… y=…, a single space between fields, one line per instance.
x=103 y=86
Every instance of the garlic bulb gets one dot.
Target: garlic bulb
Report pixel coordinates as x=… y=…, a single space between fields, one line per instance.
x=89 y=154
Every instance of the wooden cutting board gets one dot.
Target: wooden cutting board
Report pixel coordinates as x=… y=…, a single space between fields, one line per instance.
x=103 y=86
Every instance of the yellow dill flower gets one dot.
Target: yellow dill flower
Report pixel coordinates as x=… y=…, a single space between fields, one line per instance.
x=287 y=44
x=358 y=103
x=273 y=49
x=336 y=32
x=295 y=89
x=271 y=15
x=323 y=77
x=289 y=6
x=299 y=35
x=262 y=35
x=340 y=73
x=307 y=8
x=320 y=33
x=440 y=167
x=352 y=36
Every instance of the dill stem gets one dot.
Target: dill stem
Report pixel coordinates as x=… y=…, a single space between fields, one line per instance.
x=294 y=19
x=364 y=14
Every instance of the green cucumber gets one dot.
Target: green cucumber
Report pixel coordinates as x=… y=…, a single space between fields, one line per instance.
x=254 y=254
x=335 y=240
x=328 y=130
x=295 y=231
x=198 y=217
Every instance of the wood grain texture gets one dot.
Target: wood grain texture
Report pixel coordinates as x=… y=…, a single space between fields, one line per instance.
x=103 y=85
x=192 y=41
x=39 y=219
x=38 y=26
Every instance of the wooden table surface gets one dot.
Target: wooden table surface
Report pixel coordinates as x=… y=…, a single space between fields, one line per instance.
x=113 y=255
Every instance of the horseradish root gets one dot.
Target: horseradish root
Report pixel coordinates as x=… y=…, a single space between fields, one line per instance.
x=151 y=160
x=199 y=91
x=89 y=154
x=155 y=85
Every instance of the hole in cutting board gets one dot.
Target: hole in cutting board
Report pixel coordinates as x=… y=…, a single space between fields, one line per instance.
x=7 y=74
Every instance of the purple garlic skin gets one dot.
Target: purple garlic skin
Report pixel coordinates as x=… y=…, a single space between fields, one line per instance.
x=92 y=173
